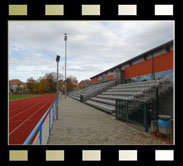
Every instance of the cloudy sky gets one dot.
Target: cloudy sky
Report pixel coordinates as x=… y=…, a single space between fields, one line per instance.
x=92 y=47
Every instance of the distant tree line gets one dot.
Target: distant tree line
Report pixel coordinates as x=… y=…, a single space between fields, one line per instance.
x=48 y=83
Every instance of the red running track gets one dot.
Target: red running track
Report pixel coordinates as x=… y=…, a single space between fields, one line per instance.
x=24 y=114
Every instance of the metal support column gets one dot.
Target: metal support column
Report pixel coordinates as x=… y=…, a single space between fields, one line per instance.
x=145 y=118
x=57 y=60
x=57 y=94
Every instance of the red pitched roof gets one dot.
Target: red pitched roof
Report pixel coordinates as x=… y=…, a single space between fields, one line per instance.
x=17 y=81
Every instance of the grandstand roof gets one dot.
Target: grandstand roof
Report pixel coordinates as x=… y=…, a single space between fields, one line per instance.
x=167 y=44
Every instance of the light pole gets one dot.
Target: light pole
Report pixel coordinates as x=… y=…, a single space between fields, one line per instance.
x=57 y=60
x=65 y=39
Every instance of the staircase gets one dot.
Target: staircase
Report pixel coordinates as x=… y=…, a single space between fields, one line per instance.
x=92 y=90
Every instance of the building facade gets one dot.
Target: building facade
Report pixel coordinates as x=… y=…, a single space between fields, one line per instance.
x=16 y=85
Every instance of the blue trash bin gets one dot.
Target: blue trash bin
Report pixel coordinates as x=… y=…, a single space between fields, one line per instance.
x=164 y=123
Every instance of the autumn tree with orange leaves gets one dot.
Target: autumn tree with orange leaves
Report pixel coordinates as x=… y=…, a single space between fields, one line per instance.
x=71 y=83
x=47 y=84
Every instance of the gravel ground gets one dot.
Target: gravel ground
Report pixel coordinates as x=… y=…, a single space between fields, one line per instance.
x=80 y=124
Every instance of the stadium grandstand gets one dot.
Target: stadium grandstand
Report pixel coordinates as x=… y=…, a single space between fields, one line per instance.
x=144 y=79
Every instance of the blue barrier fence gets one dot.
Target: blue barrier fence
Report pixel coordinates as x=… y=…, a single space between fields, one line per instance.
x=50 y=112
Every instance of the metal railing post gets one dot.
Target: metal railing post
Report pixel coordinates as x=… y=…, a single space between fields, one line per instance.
x=40 y=134
x=53 y=112
x=49 y=120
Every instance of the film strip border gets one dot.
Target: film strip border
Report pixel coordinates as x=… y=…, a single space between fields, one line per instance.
x=91 y=10
x=120 y=10
x=91 y=155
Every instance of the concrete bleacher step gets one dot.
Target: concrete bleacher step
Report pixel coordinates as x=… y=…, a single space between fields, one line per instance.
x=130 y=87
x=141 y=91
x=120 y=93
x=104 y=107
x=127 y=89
x=112 y=97
x=105 y=101
x=74 y=97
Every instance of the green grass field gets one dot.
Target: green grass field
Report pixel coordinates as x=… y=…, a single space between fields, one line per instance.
x=21 y=96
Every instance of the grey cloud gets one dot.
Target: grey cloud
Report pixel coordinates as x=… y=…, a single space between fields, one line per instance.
x=93 y=46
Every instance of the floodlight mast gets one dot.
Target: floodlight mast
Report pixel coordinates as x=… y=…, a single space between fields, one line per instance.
x=65 y=39
x=57 y=60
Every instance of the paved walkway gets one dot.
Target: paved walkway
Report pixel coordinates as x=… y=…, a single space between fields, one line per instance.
x=80 y=124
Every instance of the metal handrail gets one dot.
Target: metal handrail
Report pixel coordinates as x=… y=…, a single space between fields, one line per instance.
x=112 y=83
x=39 y=126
